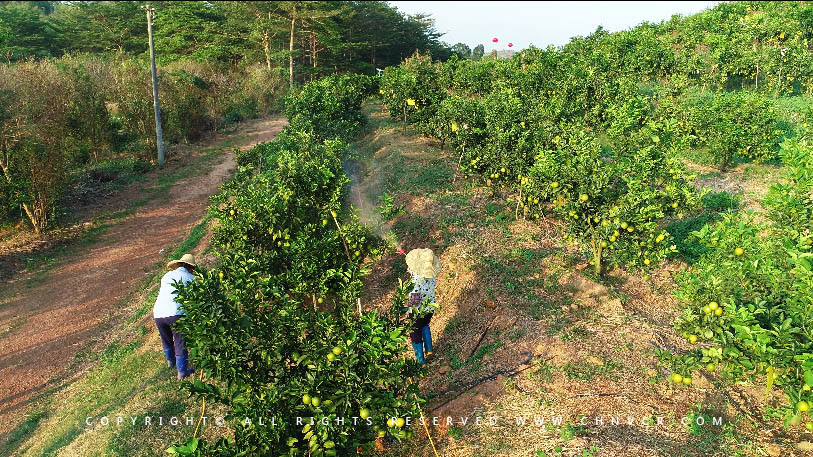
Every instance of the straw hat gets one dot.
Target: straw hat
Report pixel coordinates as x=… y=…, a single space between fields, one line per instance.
x=187 y=258
x=423 y=262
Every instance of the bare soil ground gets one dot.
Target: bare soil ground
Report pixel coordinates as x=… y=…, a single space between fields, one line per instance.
x=48 y=317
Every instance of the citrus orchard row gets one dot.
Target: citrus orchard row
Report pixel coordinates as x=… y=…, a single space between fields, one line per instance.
x=566 y=135
x=276 y=327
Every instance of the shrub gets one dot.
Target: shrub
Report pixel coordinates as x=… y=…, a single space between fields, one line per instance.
x=748 y=297
x=35 y=131
x=733 y=124
x=329 y=107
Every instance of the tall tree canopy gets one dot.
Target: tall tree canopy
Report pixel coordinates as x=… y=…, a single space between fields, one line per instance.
x=313 y=37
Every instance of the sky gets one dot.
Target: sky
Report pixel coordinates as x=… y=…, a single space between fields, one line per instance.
x=539 y=23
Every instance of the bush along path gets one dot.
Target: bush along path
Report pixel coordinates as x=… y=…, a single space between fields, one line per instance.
x=277 y=327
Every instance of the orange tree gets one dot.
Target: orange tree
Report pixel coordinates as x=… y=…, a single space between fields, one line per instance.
x=539 y=140
x=731 y=125
x=748 y=298
x=330 y=107
x=412 y=91
x=613 y=205
x=277 y=327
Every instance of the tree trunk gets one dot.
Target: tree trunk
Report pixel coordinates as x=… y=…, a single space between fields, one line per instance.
x=4 y=164
x=314 y=50
x=756 y=78
x=291 y=49
x=267 y=50
x=597 y=260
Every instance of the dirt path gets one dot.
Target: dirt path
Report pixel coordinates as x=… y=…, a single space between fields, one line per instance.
x=45 y=322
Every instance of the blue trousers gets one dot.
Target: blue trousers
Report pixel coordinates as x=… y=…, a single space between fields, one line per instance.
x=171 y=340
x=421 y=337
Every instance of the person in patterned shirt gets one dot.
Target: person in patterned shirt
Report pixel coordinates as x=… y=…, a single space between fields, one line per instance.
x=423 y=267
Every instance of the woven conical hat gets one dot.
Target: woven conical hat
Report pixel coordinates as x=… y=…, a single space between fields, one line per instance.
x=423 y=262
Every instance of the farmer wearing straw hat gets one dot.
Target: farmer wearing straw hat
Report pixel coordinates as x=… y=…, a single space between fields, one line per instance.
x=167 y=311
x=423 y=266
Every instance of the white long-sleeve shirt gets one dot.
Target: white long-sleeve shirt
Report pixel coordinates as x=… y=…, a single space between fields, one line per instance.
x=165 y=304
x=425 y=287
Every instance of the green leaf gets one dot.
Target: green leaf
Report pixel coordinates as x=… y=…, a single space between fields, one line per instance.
x=809 y=377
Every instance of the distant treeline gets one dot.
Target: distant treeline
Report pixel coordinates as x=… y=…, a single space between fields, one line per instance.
x=317 y=37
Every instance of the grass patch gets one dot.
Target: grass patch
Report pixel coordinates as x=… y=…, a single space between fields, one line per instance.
x=412 y=225
x=21 y=432
x=587 y=371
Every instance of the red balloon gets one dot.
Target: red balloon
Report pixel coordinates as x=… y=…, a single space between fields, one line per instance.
x=494 y=40
x=510 y=45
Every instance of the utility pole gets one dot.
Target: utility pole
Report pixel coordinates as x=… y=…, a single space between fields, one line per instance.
x=158 y=132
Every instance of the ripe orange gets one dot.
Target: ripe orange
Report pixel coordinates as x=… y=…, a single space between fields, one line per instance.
x=687 y=381
x=718 y=312
x=803 y=406
x=676 y=378
x=337 y=350
x=692 y=339
x=738 y=252
x=400 y=422
x=713 y=305
x=331 y=357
